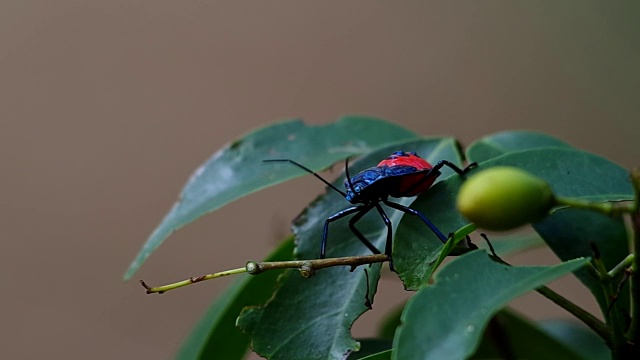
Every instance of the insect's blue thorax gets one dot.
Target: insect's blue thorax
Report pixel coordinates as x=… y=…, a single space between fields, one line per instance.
x=367 y=185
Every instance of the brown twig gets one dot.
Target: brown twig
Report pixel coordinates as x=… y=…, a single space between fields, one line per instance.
x=306 y=267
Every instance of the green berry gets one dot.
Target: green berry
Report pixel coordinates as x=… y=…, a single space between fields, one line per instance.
x=504 y=198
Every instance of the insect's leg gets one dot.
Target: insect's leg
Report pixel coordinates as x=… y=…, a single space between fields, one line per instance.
x=424 y=219
x=454 y=167
x=388 y=247
x=491 y=249
x=352 y=223
x=332 y=218
x=434 y=172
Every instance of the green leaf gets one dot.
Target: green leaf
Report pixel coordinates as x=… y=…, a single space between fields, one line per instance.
x=510 y=336
x=456 y=246
x=569 y=233
x=216 y=336
x=383 y=355
x=504 y=142
x=445 y=320
x=578 y=337
x=237 y=169
x=373 y=349
x=310 y=318
x=503 y=246
x=570 y=172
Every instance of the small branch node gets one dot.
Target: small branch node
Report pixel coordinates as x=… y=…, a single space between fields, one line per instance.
x=149 y=289
x=253 y=268
x=195 y=279
x=307 y=270
x=145 y=285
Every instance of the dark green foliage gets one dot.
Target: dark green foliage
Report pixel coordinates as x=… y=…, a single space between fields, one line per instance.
x=510 y=335
x=463 y=298
x=297 y=318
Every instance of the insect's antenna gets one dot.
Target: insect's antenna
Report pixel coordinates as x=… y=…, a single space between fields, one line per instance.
x=346 y=172
x=310 y=172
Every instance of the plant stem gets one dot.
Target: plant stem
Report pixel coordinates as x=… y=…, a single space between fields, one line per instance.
x=610 y=208
x=622 y=266
x=591 y=321
x=633 y=335
x=613 y=312
x=192 y=280
x=306 y=267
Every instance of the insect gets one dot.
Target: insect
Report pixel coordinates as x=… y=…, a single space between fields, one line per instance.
x=402 y=174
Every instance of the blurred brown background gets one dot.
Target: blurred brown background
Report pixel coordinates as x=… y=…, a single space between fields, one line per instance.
x=106 y=107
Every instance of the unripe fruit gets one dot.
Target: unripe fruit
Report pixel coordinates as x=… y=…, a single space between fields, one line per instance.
x=504 y=198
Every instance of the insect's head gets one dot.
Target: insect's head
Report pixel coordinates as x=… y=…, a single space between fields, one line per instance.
x=353 y=192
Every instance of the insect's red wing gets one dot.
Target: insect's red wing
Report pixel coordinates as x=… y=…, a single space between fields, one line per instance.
x=412 y=184
x=408 y=174
x=406 y=159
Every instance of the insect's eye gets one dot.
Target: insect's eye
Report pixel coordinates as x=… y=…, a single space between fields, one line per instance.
x=349 y=196
x=398 y=153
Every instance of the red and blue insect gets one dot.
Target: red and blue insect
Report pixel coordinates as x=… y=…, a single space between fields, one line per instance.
x=402 y=174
